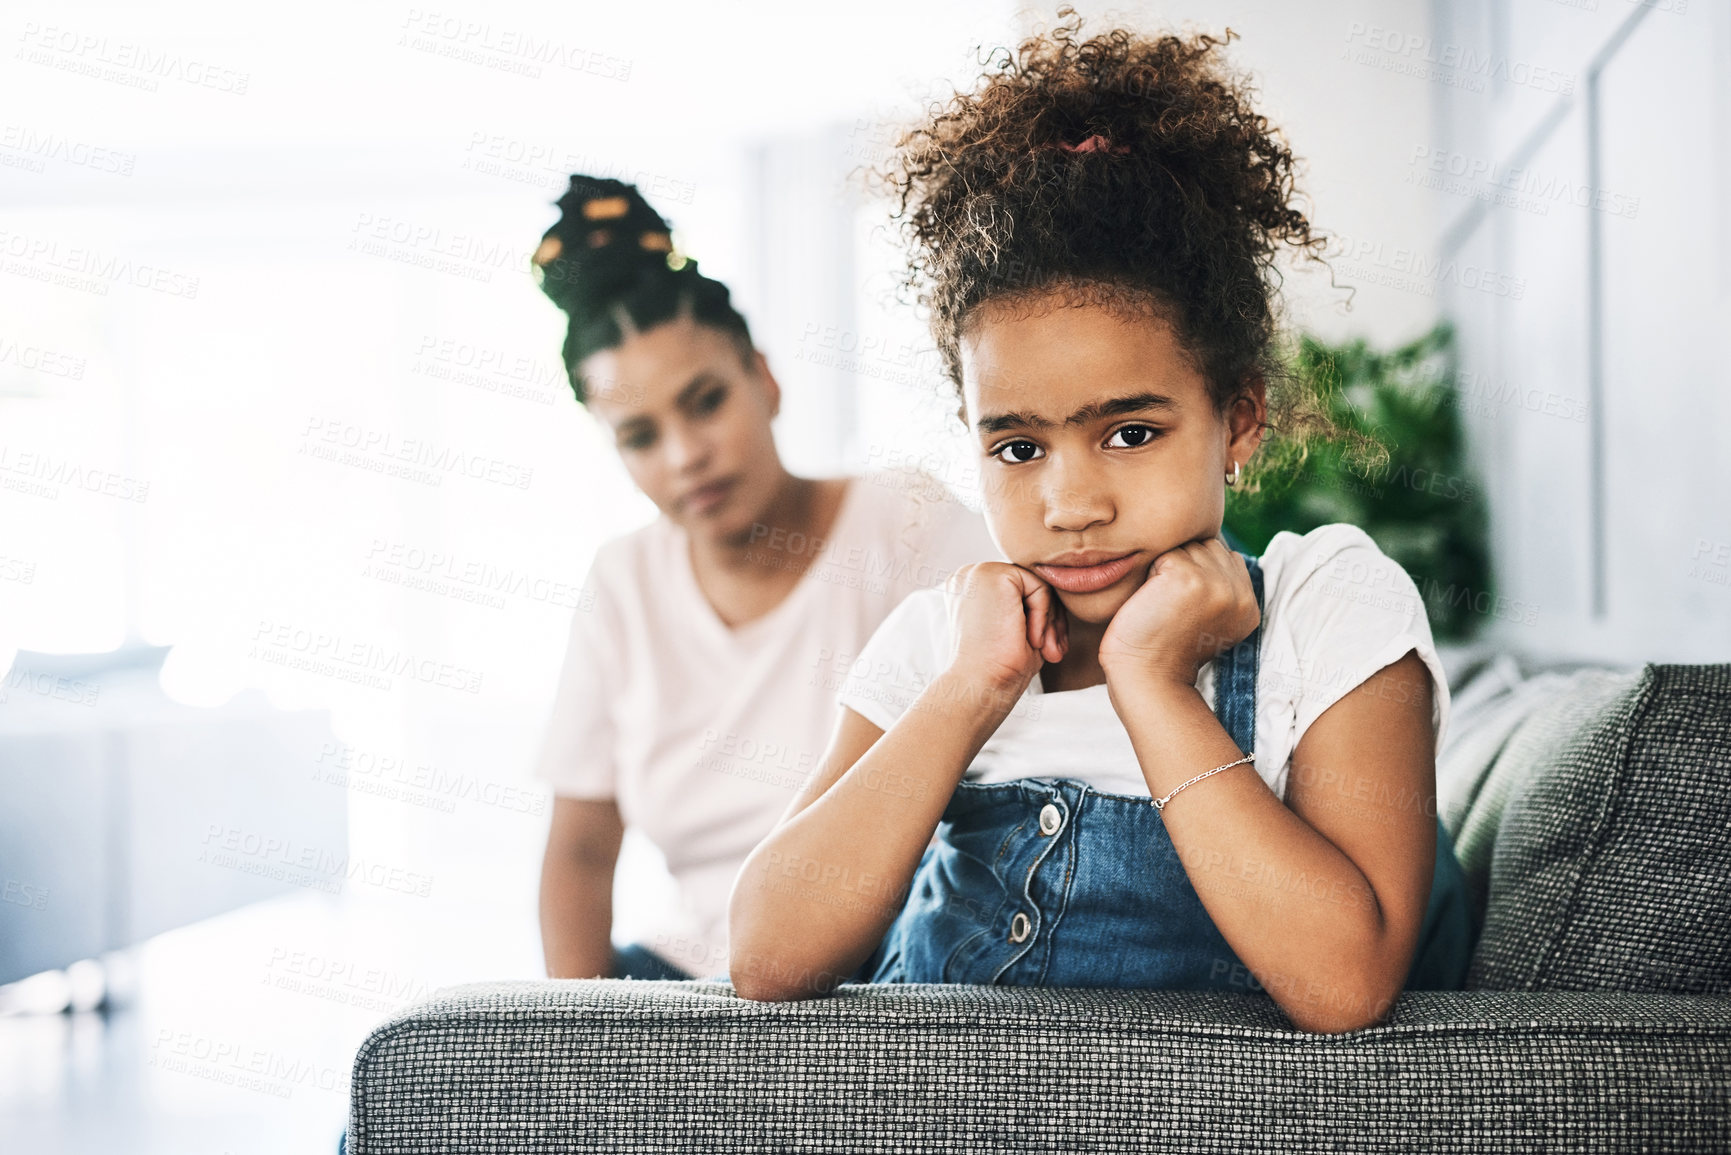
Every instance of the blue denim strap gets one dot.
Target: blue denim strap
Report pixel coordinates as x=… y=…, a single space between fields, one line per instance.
x=1235 y=675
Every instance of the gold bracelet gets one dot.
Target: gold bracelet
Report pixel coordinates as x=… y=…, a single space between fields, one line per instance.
x=1160 y=803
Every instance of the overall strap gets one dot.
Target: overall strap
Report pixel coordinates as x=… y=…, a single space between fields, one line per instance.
x=1235 y=675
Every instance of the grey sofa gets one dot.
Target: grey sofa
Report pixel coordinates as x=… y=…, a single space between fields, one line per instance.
x=1594 y=819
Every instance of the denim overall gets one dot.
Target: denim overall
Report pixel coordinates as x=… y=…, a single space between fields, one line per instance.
x=1049 y=882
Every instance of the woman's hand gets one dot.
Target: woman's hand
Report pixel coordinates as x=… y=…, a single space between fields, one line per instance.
x=1196 y=602
x=1006 y=622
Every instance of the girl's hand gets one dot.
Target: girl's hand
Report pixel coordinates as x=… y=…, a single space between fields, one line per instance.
x=1196 y=602
x=1006 y=622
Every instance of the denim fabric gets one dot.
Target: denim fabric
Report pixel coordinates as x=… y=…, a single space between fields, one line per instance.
x=636 y=961
x=1449 y=933
x=1049 y=882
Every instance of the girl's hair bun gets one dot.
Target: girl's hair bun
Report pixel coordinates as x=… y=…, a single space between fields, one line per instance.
x=610 y=264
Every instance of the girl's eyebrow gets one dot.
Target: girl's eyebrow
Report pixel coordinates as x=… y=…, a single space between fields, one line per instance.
x=1093 y=411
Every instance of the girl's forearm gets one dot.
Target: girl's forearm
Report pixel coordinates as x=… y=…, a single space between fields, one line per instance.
x=815 y=897
x=1296 y=910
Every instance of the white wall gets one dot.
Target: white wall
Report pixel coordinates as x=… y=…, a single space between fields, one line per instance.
x=1598 y=391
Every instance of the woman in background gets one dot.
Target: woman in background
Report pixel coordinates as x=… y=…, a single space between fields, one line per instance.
x=699 y=684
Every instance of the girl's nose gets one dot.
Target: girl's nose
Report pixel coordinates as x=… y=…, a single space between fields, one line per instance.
x=1073 y=499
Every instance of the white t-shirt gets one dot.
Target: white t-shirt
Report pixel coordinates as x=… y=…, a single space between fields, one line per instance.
x=703 y=733
x=1336 y=610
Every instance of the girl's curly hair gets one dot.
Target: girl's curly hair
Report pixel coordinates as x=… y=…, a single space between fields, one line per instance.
x=1179 y=207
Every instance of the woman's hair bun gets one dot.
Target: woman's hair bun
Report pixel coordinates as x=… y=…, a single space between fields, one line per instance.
x=609 y=263
x=607 y=238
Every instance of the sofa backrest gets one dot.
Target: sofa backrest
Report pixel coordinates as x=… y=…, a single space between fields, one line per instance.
x=1611 y=868
x=1499 y=747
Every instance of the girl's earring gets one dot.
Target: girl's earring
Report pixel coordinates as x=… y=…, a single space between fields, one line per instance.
x=1232 y=478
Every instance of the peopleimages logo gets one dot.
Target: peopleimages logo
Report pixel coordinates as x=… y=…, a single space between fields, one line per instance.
x=88 y=269
x=38 y=147
x=348 y=444
x=37 y=359
x=285 y=860
x=466 y=579
x=513 y=50
x=346 y=765
x=123 y=61
x=54 y=472
x=1404 y=268
x=350 y=660
x=1455 y=65
x=1522 y=187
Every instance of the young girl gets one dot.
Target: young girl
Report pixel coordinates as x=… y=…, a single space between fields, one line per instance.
x=1128 y=756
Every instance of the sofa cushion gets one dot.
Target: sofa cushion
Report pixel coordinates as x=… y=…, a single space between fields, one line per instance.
x=1611 y=863
x=1511 y=728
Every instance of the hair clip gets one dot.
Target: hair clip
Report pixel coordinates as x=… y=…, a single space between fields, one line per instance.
x=548 y=251
x=1095 y=143
x=605 y=208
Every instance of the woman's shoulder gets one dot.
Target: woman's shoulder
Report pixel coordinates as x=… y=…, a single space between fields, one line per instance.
x=634 y=548
x=634 y=562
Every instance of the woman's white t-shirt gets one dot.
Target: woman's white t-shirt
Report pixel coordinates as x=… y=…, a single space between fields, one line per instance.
x=701 y=732
x=1336 y=610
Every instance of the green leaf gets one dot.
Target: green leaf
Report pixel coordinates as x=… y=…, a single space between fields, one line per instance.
x=1424 y=507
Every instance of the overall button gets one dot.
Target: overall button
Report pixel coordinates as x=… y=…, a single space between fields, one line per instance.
x=1051 y=818
x=1019 y=927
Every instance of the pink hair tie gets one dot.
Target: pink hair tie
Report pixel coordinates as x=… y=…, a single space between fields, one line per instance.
x=1095 y=143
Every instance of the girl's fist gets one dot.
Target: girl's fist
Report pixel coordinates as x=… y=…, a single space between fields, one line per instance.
x=1196 y=602
x=1006 y=623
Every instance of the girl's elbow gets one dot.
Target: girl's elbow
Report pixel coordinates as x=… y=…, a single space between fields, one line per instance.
x=751 y=987
x=1338 y=1023
x=769 y=977
x=748 y=988
x=1330 y=1009
x=757 y=970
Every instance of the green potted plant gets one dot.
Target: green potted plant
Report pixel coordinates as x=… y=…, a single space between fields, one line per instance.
x=1395 y=466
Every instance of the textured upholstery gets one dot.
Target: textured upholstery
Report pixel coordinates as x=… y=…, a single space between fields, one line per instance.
x=1609 y=871
x=1509 y=749
x=1613 y=866
x=615 y=1065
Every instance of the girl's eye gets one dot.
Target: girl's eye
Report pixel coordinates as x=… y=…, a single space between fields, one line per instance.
x=1016 y=445
x=637 y=441
x=1146 y=434
x=711 y=401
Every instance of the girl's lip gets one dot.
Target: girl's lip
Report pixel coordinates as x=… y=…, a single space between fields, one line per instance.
x=705 y=499
x=1086 y=579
